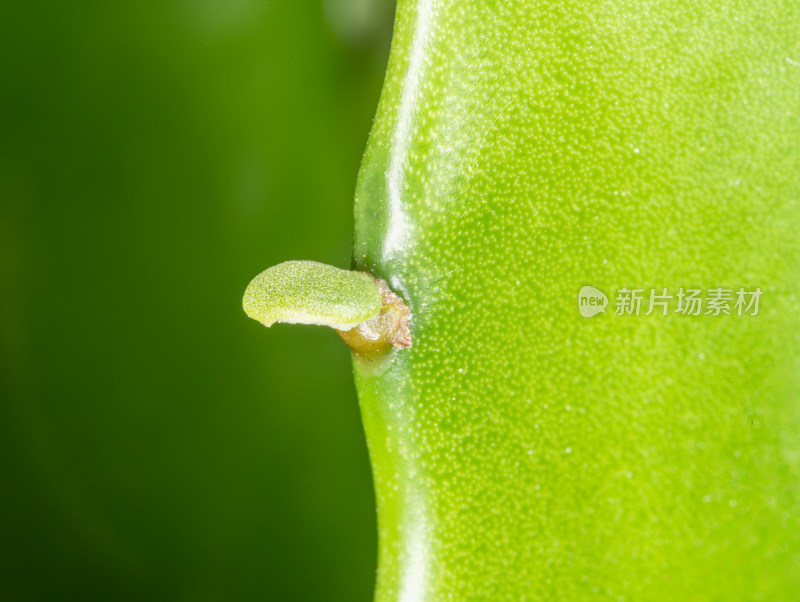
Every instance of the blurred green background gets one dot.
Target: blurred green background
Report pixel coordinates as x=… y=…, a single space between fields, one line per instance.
x=154 y=156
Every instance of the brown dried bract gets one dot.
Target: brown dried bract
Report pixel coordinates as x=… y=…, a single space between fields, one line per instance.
x=391 y=328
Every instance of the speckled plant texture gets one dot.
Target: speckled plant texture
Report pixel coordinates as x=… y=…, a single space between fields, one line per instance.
x=523 y=149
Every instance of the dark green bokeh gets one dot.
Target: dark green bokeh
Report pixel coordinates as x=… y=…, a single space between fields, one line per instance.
x=154 y=156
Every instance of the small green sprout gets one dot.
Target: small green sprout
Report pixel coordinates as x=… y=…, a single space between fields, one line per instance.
x=362 y=309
